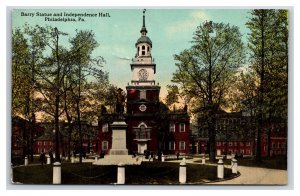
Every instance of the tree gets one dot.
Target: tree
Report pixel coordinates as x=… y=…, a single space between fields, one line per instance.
x=162 y=119
x=25 y=58
x=173 y=95
x=82 y=46
x=204 y=72
x=268 y=44
x=59 y=73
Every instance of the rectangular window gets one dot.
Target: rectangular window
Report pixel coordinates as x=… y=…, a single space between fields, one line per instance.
x=105 y=128
x=284 y=152
x=230 y=143
x=172 y=127
x=284 y=145
x=241 y=144
x=171 y=145
x=235 y=143
x=142 y=94
x=104 y=145
x=181 y=145
x=248 y=144
x=181 y=127
x=45 y=143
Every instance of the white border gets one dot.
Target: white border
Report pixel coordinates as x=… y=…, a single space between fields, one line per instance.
x=215 y=4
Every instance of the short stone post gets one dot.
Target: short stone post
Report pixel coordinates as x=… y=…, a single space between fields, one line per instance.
x=162 y=158
x=96 y=158
x=203 y=159
x=121 y=174
x=182 y=172
x=72 y=159
x=234 y=166
x=57 y=173
x=48 y=161
x=26 y=161
x=220 y=169
x=11 y=173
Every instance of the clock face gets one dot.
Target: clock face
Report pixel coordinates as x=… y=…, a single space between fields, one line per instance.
x=143 y=74
x=143 y=108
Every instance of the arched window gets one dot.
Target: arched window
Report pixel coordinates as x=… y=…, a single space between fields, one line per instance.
x=143 y=50
x=142 y=124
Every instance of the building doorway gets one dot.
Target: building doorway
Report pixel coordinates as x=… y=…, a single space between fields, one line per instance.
x=142 y=146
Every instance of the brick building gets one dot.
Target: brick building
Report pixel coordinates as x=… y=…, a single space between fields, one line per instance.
x=236 y=135
x=151 y=126
x=23 y=136
x=67 y=140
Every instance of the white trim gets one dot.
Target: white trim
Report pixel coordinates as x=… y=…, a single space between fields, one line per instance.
x=172 y=127
x=170 y=145
x=142 y=123
x=104 y=142
x=180 y=124
x=105 y=128
x=181 y=142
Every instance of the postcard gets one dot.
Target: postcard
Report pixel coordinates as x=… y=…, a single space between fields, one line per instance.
x=149 y=96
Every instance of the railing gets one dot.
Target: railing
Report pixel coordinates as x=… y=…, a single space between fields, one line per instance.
x=141 y=135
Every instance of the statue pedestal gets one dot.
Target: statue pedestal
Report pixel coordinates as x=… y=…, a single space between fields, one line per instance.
x=118 y=138
x=118 y=152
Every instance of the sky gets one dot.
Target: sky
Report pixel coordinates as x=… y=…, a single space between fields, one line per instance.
x=170 y=30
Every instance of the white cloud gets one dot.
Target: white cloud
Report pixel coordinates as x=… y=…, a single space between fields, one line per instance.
x=195 y=18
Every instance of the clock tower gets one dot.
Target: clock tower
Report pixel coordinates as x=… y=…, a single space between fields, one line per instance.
x=142 y=97
x=143 y=67
x=146 y=133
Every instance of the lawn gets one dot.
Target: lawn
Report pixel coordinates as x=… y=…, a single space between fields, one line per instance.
x=146 y=173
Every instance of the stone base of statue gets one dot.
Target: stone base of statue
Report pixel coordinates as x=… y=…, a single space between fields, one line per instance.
x=118 y=153
x=118 y=138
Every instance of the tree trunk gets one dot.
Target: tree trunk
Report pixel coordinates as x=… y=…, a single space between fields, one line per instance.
x=56 y=121
x=212 y=136
x=78 y=114
x=80 y=132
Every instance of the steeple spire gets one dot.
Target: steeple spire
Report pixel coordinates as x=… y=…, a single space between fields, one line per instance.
x=144 y=30
x=144 y=17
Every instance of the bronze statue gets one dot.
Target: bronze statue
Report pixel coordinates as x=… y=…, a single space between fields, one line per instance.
x=120 y=102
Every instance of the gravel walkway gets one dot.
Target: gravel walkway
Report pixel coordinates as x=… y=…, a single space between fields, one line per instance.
x=252 y=175
x=258 y=176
